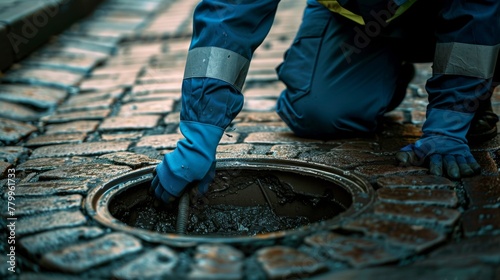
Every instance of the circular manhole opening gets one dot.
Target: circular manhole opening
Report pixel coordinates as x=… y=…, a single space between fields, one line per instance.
x=251 y=200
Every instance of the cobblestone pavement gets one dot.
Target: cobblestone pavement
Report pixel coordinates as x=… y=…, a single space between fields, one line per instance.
x=102 y=99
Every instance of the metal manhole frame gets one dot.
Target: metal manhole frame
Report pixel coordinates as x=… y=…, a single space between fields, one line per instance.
x=361 y=191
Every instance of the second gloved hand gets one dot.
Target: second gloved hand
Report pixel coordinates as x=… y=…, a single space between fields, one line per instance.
x=443 y=146
x=193 y=160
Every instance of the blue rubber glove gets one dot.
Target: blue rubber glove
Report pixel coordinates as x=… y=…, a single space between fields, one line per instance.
x=443 y=145
x=193 y=160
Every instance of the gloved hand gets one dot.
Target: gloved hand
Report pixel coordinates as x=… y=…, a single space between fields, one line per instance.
x=193 y=160
x=443 y=145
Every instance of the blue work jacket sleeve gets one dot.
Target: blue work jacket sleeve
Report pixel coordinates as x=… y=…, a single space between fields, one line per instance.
x=222 y=29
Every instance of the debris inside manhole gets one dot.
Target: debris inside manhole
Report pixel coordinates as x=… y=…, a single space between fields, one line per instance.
x=239 y=203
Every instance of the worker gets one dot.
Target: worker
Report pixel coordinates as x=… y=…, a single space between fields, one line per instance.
x=349 y=64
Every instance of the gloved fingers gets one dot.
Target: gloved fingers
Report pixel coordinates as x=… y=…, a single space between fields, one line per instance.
x=436 y=165
x=465 y=169
x=451 y=166
x=206 y=180
x=406 y=158
x=154 y=184
x=471 y=161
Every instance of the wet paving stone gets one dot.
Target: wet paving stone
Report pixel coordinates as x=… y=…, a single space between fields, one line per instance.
x=281 y=262
x=481 y=221
x=84 y=98
x=259 y=105
x=54 y=139
x=357 y=252
x=13 y=131
x=72 y=127
x=12 y=153
x=422 y=213
x=4 y=166
x=49 y=276
x=164 y=141
x=49 y=221
x=157 y=263
x=261 y=127
x=131 y=159
x=350 y=158
x=488 y=165
x=98 y=114
x=35 y=205
x=44 y=77
x=129 y=123
x=44 y=164
x=41 y=97
x=289 y=151
x=82 y=149
x=483 y=191
x=81 y=64
x=373 y=172
x=88 y=170
x=96 y=105
x=212 y=261
x=415 y=181
x=121 y=136
x=53 y=240
x=80 y=257
x=447 y=198
x=413 y=237
x=172 y=118
x=277 y=138
x=174 y=86
x=147 y=108
x=475 y=250
x=414 y=273
x=148 y=96
x=17 y=112
x=54 y=187
x=233 y=150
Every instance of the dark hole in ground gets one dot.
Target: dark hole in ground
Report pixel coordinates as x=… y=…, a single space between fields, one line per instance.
x=239 y=203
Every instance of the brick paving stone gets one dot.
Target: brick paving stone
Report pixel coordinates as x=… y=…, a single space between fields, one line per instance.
x=164 y=141
x=4 y=166
x=413 y=273
x=44 y=77
x=53 y=240
x=129 y=123
x=414 y=237
x=93 y=97
x=357 y=252
x=422 y=213
x=108 y=83
x=49 y=276
x=72 y=127
x=88 y=170
x=481 y=221
x=54 y=187
x=214 y=261
x=259 y=105
x=488 y=165
x=447 y=198
x=121 y=136
x=108 y=70
x=80 y=257
x=96 y=105
x=157 y=87
x=156 y=75
x=281 y=262
x=147 y=107
x=44 y=164
x=261 y=127
x=53 y=139
x=373 y=172
x=475 y=250
x=131 y=159
x=277 y=138
x=418 y=116
x=147 y=96
x=157 y=263
x=229 y=138
x=350 y=158
x=415 y=181
x=491 y=145
x=360 y=145
x=482 y=191
x=12 y=153
x=41 y=97
x=73 y=63
x=82 y=149
x=49 y=221
x=265 y=92
x=17 y=112
x=98 y=114
x=13 y=131
x=233 y=150
x=36 y=205
x=288 y=151
x=172 y=118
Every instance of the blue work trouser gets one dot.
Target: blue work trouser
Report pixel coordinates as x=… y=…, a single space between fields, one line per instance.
x=341 y=76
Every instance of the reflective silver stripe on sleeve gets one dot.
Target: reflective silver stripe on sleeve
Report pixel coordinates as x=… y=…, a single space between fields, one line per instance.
x=217 y=63
x=465 y=59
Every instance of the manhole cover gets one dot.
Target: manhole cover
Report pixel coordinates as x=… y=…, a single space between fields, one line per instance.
x=250 y=201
